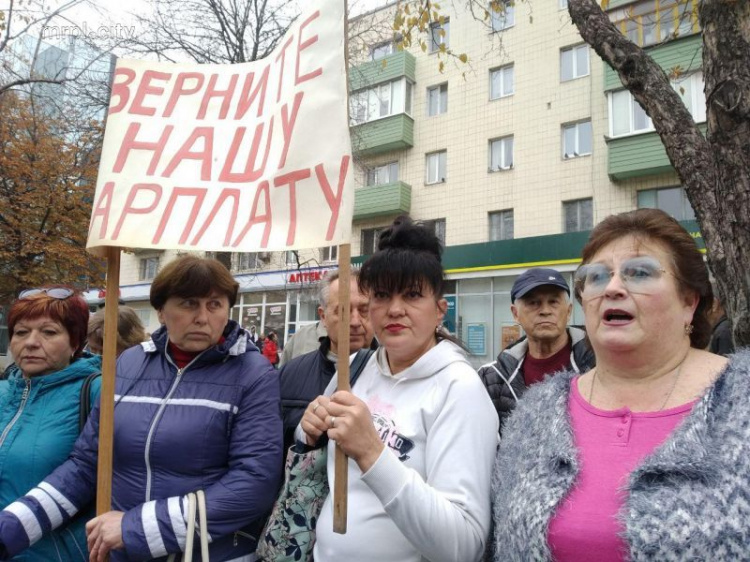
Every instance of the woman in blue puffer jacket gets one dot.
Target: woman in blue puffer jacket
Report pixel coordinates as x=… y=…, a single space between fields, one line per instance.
x=196 y=408
x=40 y=406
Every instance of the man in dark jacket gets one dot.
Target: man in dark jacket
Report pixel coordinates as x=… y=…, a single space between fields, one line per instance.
x=307 y=376
x=541 y=304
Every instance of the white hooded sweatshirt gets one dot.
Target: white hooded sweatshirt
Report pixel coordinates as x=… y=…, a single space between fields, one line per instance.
x=427 y=497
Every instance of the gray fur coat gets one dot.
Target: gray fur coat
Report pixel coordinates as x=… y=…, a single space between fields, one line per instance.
x=689 y=500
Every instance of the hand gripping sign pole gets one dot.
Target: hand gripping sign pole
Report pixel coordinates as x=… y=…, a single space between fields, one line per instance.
x=341 y=461
x=217 y=158
x=341 y=467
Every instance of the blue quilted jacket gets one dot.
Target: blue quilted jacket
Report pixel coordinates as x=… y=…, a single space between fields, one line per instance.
x=39 y=423
x=214 y=425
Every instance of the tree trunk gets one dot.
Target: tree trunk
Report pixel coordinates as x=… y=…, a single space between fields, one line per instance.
x=715 y=170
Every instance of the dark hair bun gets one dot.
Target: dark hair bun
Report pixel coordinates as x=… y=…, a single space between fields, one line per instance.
x=405 y=234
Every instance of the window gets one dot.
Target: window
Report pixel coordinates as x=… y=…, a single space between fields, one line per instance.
x=330 y=253
x=144 y=315
x=439 y=36
x=501 y=82
x=501 y=154
x=381 y=50
x=379 y=101
x=578 y=215
x=671 y=200
x=501 y=225
x=369 y=240
x=247 y=261
x=691 y=90
x=291 y=258
x=626 y=116
x=148 y=268
x=436 y=166
x=574 y=62
x=563 y=4
x=384 y=174
x=437 y=100
x=653 y=21
x=576 y=139
x=502 y=14
x=438 y=227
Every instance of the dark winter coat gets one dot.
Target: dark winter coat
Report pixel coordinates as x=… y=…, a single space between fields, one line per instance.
x=303 y=379
x=504 y=380
x=213 y=425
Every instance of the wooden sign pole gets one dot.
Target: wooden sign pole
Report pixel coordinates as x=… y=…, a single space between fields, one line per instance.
x=341 y=481
x=107 y=408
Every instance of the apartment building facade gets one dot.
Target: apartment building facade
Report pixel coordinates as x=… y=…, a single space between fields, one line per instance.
x=511 y=157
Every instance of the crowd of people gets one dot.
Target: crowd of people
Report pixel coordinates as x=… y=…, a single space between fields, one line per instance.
x=624 y=439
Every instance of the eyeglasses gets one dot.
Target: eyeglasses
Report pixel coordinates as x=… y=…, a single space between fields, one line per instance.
x=59 y=293
x=640 y=275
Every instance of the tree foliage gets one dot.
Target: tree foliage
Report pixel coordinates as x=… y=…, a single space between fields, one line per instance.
x=47 y=181
x=715 y=168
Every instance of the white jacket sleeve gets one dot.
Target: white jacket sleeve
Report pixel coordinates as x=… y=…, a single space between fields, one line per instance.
x=447 y=515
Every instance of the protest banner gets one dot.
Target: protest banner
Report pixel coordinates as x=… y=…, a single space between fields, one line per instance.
x=234 y=158
x=243 y=157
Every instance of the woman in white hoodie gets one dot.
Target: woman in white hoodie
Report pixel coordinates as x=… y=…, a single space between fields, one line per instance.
x=418 y=427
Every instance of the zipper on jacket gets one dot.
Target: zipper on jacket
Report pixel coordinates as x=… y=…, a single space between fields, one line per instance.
x=158 y=415
x=12 y=422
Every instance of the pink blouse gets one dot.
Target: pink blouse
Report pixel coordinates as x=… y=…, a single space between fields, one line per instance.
x=610 y=443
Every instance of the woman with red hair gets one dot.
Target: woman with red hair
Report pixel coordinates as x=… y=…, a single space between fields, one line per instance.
x=40 y=403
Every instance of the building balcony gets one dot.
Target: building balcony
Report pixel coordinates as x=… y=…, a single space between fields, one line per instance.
x=381 y=200
x=383 y=135
x=392 y=67
x=638 y=155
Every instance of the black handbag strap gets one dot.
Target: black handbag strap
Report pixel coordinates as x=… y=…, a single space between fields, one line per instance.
x=358 y=364
x=355 y=369
x=85 y=401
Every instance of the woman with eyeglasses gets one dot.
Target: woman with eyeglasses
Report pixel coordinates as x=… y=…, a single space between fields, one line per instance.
x=40 y=404
x=196 y=409
x=647 y=456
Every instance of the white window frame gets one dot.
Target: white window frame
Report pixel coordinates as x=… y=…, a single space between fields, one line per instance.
x=375 y=233
x=438 y=228
x=380 y=101
x=329 y=254
x=388 y=173
x=685 y=202
x=504 y=217
x=248 y=261
x=441 y=91
x=500 y=21
x=436 y=38
x=502 y=72
x=290 y=259
x=436 y=167
x=577 y=202
x=575 y=71
x=577 y=152
x=382 y=50
x=145 y=266
x=503 y=164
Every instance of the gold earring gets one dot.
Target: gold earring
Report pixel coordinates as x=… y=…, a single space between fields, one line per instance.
x=689 y=329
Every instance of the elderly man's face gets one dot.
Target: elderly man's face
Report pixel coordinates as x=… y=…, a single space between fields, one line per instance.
x=360 y=328
x=543 y=313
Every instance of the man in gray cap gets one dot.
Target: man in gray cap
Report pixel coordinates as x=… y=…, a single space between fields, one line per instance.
x=541 y=304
